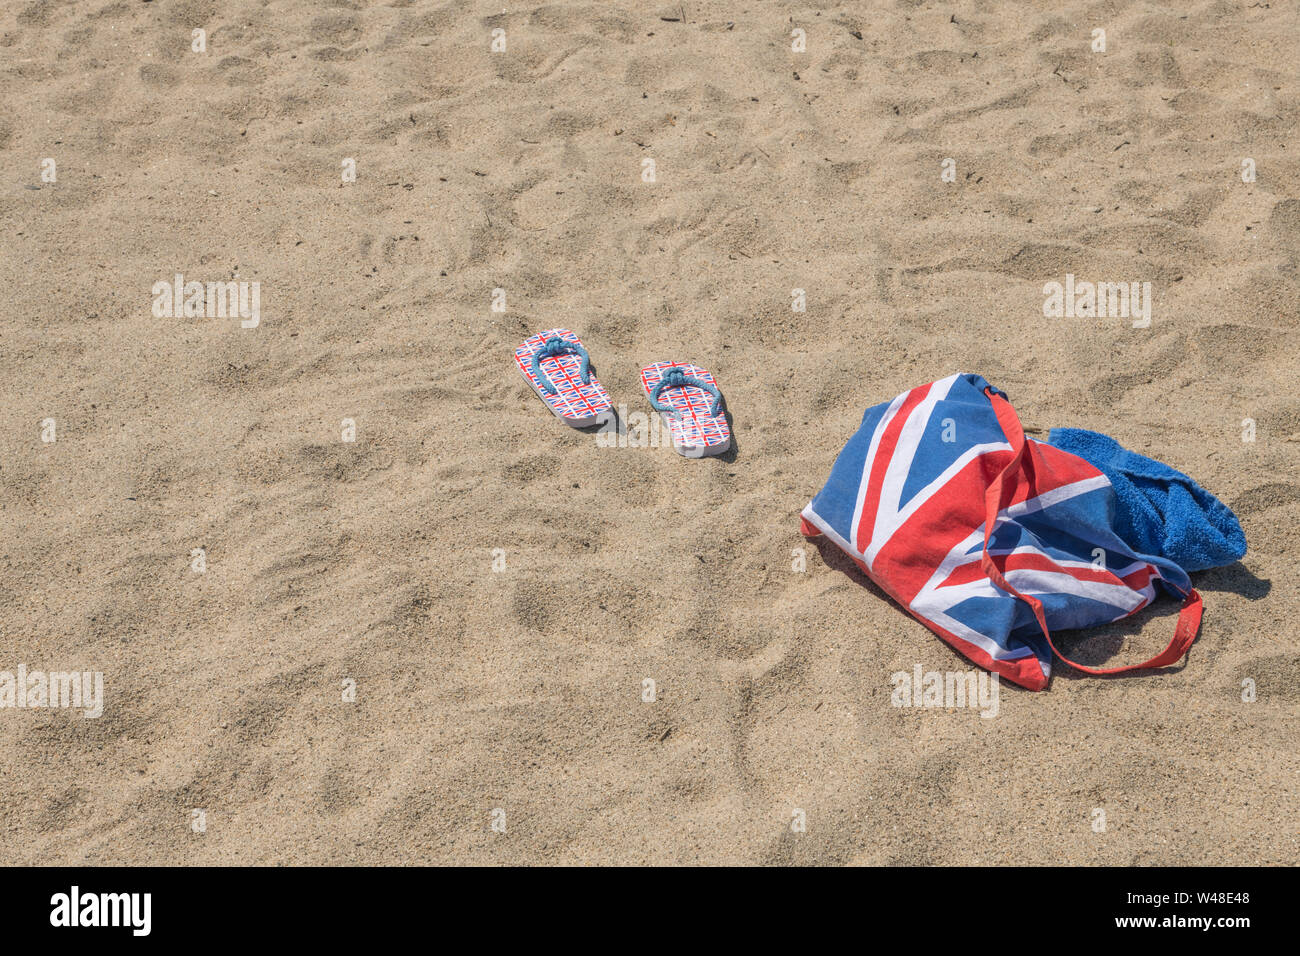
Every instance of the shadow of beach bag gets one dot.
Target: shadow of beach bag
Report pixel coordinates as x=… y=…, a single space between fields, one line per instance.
x=990 y=540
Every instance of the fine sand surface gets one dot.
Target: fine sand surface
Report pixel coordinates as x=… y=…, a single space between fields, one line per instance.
x=371 y=561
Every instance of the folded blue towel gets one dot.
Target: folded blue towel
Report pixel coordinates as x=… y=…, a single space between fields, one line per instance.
x=1159 y=510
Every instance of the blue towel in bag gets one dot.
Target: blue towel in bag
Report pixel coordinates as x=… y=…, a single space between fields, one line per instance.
x=1159 y=510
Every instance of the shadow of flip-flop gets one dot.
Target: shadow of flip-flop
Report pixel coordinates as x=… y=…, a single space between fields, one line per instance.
x=733 y=452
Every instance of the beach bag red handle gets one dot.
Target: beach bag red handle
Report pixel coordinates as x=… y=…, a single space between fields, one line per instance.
x=1189 y=618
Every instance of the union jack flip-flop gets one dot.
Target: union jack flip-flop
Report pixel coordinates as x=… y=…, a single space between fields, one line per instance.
x=558 y=368
x=687 y=397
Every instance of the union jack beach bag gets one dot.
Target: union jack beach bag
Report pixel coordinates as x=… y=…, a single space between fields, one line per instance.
x=990 y=540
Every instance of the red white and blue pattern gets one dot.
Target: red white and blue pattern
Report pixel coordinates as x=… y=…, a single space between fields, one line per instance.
x=577 y=403
x=908 y=500
x=691 y=426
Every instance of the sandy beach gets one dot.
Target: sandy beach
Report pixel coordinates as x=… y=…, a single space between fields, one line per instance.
x=356 y=596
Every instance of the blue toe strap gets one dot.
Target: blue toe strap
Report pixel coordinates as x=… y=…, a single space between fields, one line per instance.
x=558 y=346
x=676 y=378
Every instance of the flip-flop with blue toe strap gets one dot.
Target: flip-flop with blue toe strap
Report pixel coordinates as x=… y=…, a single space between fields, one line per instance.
x=688 y=399
x=557 y=366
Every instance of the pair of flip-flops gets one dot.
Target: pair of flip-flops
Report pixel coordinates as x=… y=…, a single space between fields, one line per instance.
x=557 y=366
